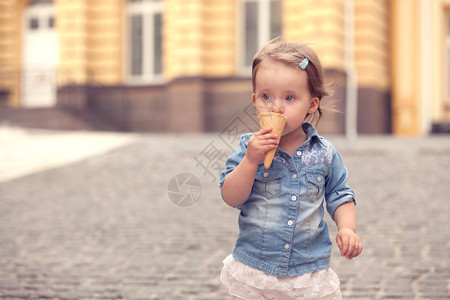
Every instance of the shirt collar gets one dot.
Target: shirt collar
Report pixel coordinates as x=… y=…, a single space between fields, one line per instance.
x=311 y=132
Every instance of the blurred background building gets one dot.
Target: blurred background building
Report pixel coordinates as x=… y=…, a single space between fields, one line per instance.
x=184 y=65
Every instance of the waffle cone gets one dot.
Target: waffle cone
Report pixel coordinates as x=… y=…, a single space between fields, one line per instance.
x=277 y=122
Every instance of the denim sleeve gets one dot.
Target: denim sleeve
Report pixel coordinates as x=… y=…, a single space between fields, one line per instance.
x=235 y=159
x=337 y=192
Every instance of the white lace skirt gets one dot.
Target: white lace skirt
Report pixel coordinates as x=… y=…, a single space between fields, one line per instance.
x=245 y=282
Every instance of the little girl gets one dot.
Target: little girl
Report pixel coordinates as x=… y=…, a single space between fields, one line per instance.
x=283 y=249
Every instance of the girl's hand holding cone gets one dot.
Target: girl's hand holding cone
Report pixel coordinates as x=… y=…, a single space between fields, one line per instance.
x=261 y=142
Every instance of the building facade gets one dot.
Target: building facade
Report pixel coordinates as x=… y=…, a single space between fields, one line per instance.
x=177 y=65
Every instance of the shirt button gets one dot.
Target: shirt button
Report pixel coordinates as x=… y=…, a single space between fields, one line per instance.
x=265 y=174
x=299 y=153
x=290 y=222
x=294 y=176
x=286 y=246
x=294 y=198
x=319 y=179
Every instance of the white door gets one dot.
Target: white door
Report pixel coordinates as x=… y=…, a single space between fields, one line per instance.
x=40 y=56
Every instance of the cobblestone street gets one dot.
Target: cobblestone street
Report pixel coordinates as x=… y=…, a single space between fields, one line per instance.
x=104 y=227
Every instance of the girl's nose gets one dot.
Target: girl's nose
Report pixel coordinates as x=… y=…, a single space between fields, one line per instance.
x=277 y=106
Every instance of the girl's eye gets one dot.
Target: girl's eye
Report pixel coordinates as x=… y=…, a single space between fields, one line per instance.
x=290 y=98
x=266 y=97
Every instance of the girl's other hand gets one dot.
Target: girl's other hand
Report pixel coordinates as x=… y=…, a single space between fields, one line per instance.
x=349 y=243
x=261 y=142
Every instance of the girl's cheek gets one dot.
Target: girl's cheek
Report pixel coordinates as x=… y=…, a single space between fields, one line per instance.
x=262 y=106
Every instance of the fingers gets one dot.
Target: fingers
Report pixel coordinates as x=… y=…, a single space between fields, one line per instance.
x=353 y=248
x=261 y=142
x=265 y=133
x=357 y=249
x=264 y=137
x=350 y=245
x=341 y=244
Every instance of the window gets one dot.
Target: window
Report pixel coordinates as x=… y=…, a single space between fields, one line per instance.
x=33 y=23
x=51 y=22
x=260 y=23
x=144 y=41
x=37 y=2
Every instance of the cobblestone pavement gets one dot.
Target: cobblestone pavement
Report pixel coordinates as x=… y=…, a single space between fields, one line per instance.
x=104 y=227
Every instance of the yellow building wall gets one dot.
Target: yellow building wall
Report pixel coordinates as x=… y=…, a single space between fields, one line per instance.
x=440 y=110
x=90 y=41
x=219 y=42
x=71 y=23
x=446 y=5
x=200 y=36
x=372 y=44
x=104 y=41
x=321 y=26
x=405 y=66
x=418 y=65
x=8 y=33
x=182 y=38
x=10 y=47
x=324 y=27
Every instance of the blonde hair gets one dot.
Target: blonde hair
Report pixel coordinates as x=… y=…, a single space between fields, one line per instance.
x=292 y=54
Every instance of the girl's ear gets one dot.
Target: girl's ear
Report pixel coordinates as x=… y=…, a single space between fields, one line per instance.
x=254 y=99
x=314 y=105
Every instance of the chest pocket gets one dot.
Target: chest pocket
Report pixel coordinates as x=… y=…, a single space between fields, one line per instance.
x=267 y=183
x=316 y=182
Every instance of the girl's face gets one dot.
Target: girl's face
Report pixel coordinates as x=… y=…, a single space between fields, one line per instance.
x=283 y=89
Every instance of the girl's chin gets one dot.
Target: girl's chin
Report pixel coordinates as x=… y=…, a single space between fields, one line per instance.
x=286 y=133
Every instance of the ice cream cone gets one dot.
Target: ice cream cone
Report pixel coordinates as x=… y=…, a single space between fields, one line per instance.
x=277 y=122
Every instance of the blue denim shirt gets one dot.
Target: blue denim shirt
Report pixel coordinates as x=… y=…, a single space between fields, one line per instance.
x=282 y=231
